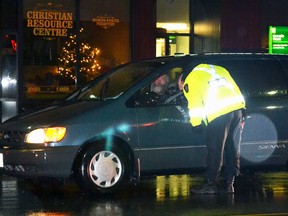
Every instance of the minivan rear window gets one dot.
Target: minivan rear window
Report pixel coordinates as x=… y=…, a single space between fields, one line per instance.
x=258 y=77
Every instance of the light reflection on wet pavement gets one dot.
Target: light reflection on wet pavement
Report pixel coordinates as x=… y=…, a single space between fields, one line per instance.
x=164 y=195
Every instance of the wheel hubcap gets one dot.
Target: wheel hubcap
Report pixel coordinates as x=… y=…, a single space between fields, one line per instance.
x=105 y=169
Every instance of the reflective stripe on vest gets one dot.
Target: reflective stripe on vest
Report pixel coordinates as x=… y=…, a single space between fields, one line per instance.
x=208 y=110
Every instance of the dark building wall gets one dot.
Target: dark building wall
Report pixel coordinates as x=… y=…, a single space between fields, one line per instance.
x=241 y=25
x=8 y=14
x=245 y=23
x=274 y=13
x=143 y=29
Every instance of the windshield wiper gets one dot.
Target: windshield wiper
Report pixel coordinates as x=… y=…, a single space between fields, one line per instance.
x=114 y=97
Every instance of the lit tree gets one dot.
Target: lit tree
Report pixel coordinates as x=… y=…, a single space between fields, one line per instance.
x=89 y=63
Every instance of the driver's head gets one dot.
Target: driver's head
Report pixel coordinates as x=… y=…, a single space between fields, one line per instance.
x=160 y=85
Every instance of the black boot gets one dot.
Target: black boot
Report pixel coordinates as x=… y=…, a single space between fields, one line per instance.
x=209 y=188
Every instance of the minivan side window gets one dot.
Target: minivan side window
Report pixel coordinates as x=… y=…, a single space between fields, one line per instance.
x=257 y=77
x=163 y=90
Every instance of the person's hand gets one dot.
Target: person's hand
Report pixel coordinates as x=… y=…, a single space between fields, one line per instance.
x=180 y=82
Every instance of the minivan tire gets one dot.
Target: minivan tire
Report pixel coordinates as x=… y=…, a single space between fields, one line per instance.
x=101 y=170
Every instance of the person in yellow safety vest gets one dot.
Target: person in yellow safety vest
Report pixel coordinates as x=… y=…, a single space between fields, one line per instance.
x=216 y=102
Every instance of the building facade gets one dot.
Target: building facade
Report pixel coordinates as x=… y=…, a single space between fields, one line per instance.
x=49 y=48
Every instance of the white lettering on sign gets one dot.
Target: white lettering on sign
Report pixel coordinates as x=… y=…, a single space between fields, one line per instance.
x=278 y=37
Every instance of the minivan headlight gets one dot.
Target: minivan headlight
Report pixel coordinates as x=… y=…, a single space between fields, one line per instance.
x=45 y=135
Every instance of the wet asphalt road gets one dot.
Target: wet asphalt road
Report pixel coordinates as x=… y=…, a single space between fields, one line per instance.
x=260 y=194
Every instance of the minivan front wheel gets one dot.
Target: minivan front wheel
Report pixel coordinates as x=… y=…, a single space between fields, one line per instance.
x=101 y=170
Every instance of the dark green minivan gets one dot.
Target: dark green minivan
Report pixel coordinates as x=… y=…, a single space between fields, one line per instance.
x=118 y=127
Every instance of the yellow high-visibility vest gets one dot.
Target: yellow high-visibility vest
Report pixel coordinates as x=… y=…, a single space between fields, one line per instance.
x=211 y=92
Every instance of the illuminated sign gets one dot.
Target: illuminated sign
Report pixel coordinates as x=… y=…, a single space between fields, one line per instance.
x=278 y=39
x=105 y=21
x=49 y=23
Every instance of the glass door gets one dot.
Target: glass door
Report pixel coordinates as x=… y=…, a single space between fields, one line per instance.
x=173 y=27
x=172 y=45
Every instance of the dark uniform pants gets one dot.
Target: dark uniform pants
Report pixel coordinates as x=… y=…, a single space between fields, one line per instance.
x=223 y=144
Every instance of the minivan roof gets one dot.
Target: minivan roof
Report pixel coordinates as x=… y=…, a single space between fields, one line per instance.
x=192 y=60
x=211 y=55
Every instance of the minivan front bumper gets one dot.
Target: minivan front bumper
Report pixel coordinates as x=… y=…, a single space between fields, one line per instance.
x=33 y=163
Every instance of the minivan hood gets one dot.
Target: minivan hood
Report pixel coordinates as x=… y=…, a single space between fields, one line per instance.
x=53 y=115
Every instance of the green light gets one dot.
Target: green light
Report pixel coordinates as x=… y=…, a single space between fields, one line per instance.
x=278 y=39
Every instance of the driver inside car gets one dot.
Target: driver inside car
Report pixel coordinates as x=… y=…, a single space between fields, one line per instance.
x=160 y=88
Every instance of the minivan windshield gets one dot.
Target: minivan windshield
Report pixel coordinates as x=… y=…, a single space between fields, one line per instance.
x=117 y=82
